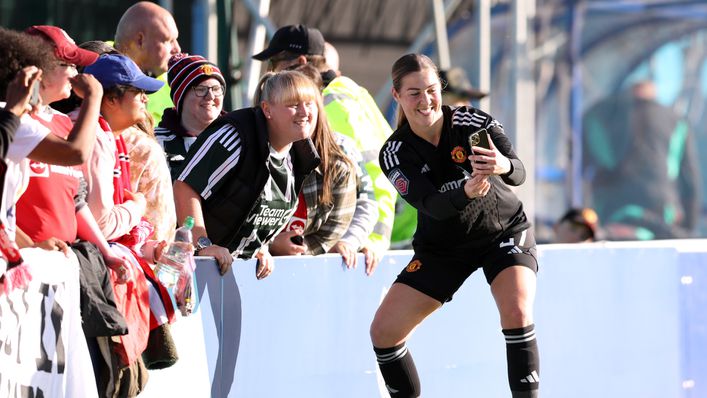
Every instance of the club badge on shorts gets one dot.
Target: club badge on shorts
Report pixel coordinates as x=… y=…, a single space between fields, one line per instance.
x=413 y=266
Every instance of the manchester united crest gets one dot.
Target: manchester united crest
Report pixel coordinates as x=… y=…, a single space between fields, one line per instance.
x=458 y=154
x=207 y=69
x=413 y=266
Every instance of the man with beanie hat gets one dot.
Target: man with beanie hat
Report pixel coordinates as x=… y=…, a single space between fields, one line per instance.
x=197 y=88
x=351 y=111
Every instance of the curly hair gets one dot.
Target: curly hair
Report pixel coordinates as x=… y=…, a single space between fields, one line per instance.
x=18 y=50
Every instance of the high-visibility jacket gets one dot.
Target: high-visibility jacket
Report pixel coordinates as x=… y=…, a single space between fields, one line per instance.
x=160 y=100
x=352 y=112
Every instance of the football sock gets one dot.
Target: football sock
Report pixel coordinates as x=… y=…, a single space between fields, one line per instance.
x=399 y=372
x=523 y=361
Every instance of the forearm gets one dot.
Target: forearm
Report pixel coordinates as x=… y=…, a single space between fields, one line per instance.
x=188 y=203
x=442 y=206
x=82 y=136
x=364 y=219
x=117 y=220
x=517 y=174
x=88 y=230
x=22 y=239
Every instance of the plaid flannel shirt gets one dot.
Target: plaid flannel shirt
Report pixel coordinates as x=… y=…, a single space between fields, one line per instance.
x=327 y=224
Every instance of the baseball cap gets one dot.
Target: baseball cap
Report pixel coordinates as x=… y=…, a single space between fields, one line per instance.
x=188 y=70
x=64 y=46
x=583 y=216
x=458 y=84
x=298 y=39
x=113 y=69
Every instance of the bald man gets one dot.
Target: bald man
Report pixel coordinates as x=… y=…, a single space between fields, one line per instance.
x=148 y=35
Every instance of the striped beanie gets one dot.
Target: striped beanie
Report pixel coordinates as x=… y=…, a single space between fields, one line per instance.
x=187 y=70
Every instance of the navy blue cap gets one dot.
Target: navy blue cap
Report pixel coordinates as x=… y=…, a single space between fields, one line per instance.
x=112 y=70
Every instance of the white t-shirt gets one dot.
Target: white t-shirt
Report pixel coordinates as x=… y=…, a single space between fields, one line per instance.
x=28 y=136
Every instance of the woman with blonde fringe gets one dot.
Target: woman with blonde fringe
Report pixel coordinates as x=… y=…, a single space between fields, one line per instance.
x=242 y=176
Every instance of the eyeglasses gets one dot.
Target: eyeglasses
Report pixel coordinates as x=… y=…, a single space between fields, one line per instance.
x=202 y=91
x=137 y=91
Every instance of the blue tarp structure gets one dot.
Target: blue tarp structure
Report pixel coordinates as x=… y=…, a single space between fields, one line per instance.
x=585 y=51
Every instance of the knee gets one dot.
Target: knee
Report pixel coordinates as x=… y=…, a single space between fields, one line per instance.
x=381 y=335
x=377 y=333
x=516 y=316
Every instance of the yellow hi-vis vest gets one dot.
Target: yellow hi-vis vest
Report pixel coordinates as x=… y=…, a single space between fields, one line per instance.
x=352 y=112
x=160 y=100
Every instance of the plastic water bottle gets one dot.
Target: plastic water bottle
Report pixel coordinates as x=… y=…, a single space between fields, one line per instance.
x=176 y=256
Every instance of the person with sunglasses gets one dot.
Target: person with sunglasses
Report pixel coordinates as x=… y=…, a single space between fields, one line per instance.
x=197 y=88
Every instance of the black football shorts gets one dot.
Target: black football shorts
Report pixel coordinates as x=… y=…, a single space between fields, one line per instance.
x=439 y=274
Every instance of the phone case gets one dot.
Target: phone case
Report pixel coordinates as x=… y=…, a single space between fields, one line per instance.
x=479 y=138
x=34 y=97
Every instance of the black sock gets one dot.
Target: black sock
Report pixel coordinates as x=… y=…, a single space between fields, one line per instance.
x=399 y=372
x=523 y=361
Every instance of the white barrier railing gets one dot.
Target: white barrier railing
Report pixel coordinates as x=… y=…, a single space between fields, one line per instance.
x=626 y=319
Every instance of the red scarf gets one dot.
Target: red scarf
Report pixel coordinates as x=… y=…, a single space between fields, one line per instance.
x=137 y=236
x=121 y=171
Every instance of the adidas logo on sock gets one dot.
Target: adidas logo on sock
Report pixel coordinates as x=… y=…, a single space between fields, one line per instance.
x=531 y=378
x=391 y=389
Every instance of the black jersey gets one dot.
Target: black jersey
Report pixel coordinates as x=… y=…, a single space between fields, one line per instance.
x=431 y=178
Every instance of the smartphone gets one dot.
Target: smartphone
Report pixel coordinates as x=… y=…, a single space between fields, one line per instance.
x=479 y=138
x=34 y=96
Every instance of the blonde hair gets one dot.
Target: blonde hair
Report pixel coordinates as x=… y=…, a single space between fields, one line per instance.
x=287 y=87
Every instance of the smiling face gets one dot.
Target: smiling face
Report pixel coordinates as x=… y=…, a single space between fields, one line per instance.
x=420 y=97
x=291 y=104
x=199 y=111
x=290 y=121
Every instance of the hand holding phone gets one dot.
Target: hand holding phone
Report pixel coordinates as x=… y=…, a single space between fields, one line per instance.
x=493 y=163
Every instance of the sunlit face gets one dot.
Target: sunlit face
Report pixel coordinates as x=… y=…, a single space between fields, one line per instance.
x=159 y=44
x=133 y=104
x=289 y=122
x=125 y=111
x=55 y=84
x=420 y=97
x=203 y=110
